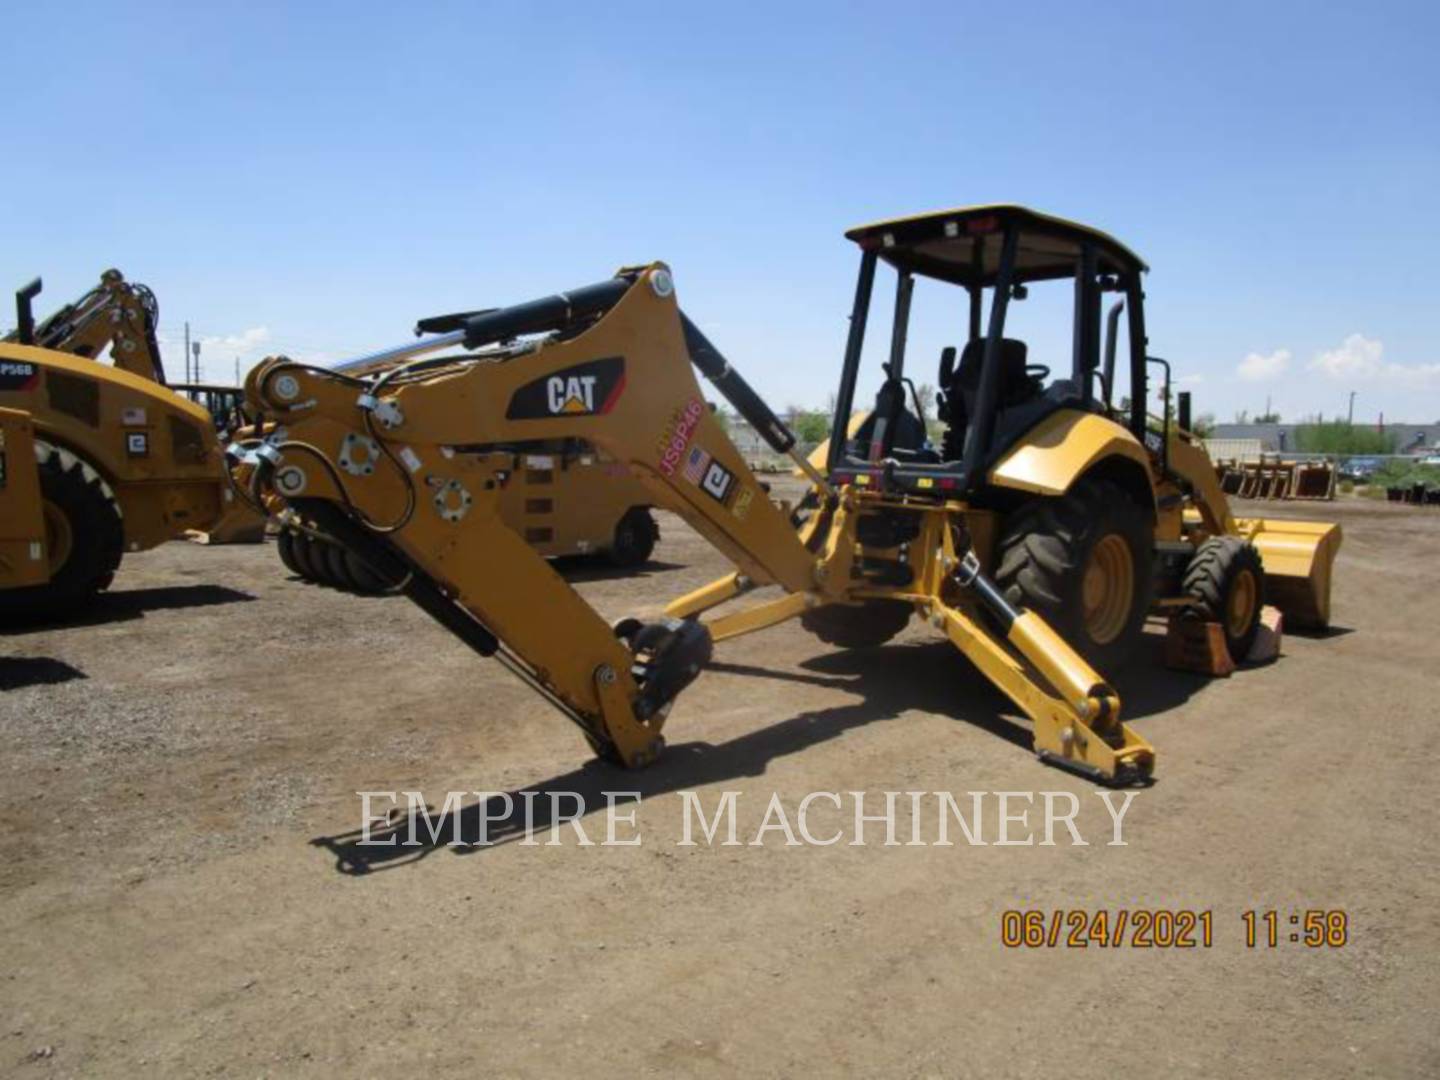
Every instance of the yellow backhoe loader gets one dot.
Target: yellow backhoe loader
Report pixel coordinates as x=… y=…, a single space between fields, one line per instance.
x=121 y=462
x=1047 y=525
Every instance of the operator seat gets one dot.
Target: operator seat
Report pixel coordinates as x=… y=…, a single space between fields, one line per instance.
x=891 y=429
x=960 y=386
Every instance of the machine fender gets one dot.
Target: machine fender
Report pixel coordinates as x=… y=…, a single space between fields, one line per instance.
x=1062 y=448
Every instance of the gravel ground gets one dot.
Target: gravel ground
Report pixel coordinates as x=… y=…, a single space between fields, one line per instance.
x=180 y=895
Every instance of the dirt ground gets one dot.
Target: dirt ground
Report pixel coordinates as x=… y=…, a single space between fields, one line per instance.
x=179 y=896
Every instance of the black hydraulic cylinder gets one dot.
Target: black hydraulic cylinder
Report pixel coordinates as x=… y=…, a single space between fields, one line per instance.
x=1182 y=417
x=735 y=389
x=382 y=558
x=550 y=313
x=972 y=577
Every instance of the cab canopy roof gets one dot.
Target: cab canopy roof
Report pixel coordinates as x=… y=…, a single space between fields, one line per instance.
x=963 y=246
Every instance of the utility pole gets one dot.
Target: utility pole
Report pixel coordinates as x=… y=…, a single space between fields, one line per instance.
x=1350 y=416
x=195 y=347
x=237 y=371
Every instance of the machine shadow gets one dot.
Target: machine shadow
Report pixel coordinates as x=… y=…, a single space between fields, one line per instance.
x=1324 y=633
x=887 y=682
x=22 y=671
x=596 y=568
x=130 y=604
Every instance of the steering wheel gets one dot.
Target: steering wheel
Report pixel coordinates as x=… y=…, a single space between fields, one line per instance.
x=1037 y=371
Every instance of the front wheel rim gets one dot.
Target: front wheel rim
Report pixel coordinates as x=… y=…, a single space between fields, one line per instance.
x=59 y=537
x=1241 y=609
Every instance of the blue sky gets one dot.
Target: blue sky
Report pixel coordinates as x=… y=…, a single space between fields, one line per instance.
x=312 y=178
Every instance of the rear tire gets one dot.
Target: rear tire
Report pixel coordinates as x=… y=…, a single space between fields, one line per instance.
x=1226 y=579
x=285 y=546
x=305 y=555
x=1083 y=563
x=338 y=570
x=867 y=626
x=84 y=537
x=367 y=581
x=634 y=539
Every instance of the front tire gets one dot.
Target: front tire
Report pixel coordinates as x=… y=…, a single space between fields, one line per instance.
x=1083 y=563
x=84 y=537
x=1226 y=579
x=634 y=539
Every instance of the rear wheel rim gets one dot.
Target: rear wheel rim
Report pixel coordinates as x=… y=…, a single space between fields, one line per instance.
x=59 y=537
x=1241 y=608
x=1108 y=589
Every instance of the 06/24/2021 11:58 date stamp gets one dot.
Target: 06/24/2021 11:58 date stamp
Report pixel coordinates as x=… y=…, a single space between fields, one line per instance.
x=1165 y=928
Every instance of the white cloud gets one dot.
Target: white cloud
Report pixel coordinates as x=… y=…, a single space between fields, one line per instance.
x=1257 y=367
x=1359 y=357
x=218 y=353
x=242 y=344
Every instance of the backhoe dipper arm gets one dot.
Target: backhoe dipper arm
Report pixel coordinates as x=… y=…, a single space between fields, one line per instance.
x=407 y=471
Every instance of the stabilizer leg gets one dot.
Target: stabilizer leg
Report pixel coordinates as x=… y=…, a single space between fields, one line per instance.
x=1077 y=718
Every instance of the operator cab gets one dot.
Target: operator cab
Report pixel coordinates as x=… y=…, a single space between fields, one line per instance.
x=990 y=389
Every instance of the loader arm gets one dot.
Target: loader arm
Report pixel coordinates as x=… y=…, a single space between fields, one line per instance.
x=406 y=469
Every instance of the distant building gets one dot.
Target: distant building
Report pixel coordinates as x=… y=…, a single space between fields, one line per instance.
x=1234 y=449
x=1280 y=438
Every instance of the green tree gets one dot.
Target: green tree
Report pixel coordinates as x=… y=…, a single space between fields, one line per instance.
x=1340 y=437
x=810 y=426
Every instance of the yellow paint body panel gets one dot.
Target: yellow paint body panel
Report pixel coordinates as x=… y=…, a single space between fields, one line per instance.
x=568 y=502
x=23 y=558
x=1061 y=448
x=104 y=415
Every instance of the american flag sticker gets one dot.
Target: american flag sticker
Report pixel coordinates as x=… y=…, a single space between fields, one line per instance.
x=695 y=464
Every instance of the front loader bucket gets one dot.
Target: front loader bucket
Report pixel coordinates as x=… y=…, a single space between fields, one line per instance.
x=238 y=525
x=1298 y=557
